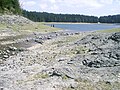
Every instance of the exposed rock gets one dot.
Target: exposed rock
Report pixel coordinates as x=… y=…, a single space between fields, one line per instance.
x=115 y=37
x=56 y=73
x=106 y=51
x=92 y=61
x=39 y=41
x=10 y=20
x=12 y=48
x=5 y=56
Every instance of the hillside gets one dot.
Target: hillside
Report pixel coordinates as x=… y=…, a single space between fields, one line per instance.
x=38 y=57
x=10 y=7
x=34 y=56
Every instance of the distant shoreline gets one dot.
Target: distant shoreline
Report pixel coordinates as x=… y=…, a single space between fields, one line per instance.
x=82 y=26
x=79 y=23
x=67 y=23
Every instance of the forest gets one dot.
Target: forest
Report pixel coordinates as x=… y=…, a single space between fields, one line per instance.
x=110 y=19
x=50 y=17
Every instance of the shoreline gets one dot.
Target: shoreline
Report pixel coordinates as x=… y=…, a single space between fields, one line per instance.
x=58 y=59
x=79 y=23
x=74 y=30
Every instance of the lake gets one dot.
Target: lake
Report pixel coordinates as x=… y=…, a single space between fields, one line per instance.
x=85 y=27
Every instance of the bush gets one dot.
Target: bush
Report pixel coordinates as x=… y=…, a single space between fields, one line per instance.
x=10 y=6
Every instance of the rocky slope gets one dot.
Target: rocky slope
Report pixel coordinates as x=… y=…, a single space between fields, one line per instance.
x=59 y=60
x=10 y=20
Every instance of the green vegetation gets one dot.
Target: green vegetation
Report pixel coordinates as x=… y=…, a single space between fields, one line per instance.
x=33 y=78
x=2 y=26
x=38 y=27
x=110 y=19
x=10 y=7
x=64 y=77
x=39 y=76
x=67 y=39
x=109 y=31
x=88 y=85
x=50 y=17
x=79 y=50
x=75 y=50
x=13 y=7
x=36 y=77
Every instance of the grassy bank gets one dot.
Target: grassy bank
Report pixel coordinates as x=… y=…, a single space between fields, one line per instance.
x=109 y=30
x=36 y=27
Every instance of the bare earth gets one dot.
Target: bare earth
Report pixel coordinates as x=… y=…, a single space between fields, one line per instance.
x=44 y=58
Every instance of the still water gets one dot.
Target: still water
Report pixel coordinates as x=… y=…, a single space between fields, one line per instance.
x=85 y=27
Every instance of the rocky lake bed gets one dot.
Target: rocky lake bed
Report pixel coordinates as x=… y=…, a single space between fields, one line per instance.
x=38 y=57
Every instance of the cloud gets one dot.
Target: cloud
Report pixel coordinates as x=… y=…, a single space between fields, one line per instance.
x=106 y=1
x=43 y=6
x=86 y=3
x=52 y=5
x=61 y=5
x=27 y=3
x=90 y=3
x=49 y=5
x=118 y=1
x=88 y=7
x=52 y=1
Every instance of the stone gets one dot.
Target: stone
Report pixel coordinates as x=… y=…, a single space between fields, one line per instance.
x=7 y=51
x=39 y=41
x=115 y=37
x=56 y=73
x=12 y=48
x=5 y=56
x=1 y=88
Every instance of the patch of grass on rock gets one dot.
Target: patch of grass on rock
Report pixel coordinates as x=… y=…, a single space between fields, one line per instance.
x=79 y=50
x=40 y=75
x=109 y=31
x=2 y=26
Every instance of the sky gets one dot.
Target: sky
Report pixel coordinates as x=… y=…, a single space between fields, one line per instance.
x=83 y=7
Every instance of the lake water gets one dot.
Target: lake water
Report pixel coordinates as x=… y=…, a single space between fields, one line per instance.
x=85 y=27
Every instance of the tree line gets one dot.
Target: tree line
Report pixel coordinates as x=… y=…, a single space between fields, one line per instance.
x=110 y=19
x=50 y=17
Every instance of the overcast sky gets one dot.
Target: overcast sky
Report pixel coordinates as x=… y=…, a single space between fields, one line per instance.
x=85 y=7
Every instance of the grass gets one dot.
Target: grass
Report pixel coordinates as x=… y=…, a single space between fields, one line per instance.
x=108 y=86
x=72 y=38
x=2 y=26
x=109 y=31
x=75 y=50
x=44 y=28
x=88 y=85
x=33 y=78
x=38 y=27
x=67 y=39
x=40 y=75
x=72 y=50
x=79 y=50
x=64 y=77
